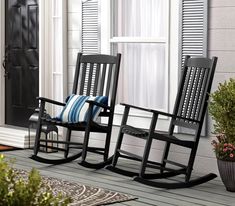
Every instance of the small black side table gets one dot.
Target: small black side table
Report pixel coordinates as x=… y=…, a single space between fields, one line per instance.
x=46 y=129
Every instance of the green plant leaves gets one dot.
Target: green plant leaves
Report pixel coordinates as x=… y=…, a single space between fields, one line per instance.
x=222 y=109
x=15 y=191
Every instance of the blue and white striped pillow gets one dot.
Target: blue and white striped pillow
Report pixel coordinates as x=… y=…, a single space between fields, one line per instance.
x=76 y=108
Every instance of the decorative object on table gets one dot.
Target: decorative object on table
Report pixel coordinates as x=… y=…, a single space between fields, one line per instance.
x=95 y=81
x=50 y=132
x=189 y=112
x=222 y=110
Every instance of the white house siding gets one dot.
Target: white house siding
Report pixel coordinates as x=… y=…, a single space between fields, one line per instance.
x=221 y=40
x=221 y=43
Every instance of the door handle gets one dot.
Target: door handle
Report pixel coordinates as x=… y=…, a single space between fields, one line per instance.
x=5 y=62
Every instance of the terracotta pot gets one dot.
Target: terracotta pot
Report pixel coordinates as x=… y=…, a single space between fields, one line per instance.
x=227 y=174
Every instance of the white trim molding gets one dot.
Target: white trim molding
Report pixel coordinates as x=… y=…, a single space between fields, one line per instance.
x=137 y=40
x=44 y=52
x=65 y=47
x=105 y=21
x=47 y=68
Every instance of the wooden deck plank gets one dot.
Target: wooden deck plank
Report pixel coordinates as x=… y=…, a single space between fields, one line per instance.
x=26 y=164
x=212 y=193
x=84 y=181
x=61 y=168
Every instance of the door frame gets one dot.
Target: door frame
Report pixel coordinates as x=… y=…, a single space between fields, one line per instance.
x=2 y=46
x=45 y=60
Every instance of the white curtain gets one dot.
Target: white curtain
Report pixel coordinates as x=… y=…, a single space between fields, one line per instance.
x=144 y=76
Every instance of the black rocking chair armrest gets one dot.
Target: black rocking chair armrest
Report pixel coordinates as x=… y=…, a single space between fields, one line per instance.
x=174 y=116
x=50 y=101
x=98 y=104
x=159 y=112
x=136 y=107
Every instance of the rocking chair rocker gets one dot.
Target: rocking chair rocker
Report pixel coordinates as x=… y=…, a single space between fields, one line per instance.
x=189 y=111
x=95 y=75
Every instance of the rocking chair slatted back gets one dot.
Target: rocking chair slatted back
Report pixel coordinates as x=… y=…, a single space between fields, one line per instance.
x=192 y=97
x=99 y=74
x=102 y=80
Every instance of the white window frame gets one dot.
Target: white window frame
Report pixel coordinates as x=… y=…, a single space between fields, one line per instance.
x=142 y=119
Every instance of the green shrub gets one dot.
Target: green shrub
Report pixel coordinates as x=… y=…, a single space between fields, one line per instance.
x=222 y=110
x=15 y=191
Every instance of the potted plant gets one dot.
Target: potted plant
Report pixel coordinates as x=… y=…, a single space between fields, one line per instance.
x=222 y=110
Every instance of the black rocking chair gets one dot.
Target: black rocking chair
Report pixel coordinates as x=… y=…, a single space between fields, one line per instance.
x=189 y=111
x=95 y=75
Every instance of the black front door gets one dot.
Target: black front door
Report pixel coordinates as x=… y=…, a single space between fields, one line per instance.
x=21 y=70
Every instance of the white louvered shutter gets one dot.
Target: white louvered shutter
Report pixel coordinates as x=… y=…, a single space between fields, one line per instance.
x=193 y=28
x=90 y=27
x=193 y=33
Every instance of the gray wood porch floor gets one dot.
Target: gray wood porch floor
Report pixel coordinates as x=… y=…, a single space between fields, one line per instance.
x=212 y=193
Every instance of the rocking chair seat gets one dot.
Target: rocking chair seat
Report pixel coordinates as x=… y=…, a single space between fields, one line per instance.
x=79 y=126
x=133 y=131
x=173 y=139
x=127 y=129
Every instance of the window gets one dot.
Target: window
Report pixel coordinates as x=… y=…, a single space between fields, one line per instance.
x=140 y=33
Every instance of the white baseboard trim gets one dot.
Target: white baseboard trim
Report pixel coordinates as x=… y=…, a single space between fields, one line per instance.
x=16 y=137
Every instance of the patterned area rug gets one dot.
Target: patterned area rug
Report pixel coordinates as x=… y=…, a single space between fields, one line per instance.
x=82 y=195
